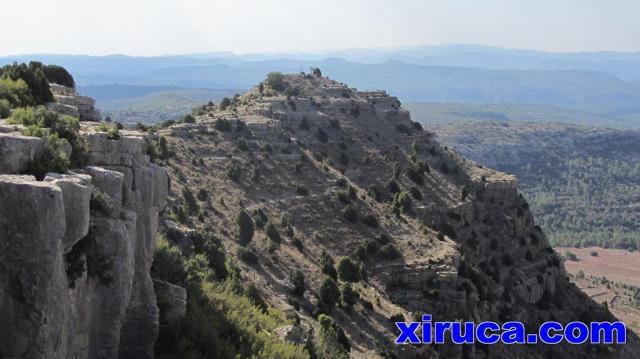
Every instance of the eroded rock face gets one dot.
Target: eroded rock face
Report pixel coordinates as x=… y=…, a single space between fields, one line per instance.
x=68 y=102
x=17 y=150
x=75 y=283
x=172 y=301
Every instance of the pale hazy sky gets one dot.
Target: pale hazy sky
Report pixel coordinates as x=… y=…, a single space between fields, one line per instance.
x=152 y=27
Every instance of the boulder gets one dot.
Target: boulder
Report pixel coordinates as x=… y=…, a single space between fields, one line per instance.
x=63 y=109
x=172 y=301
x=17 y=150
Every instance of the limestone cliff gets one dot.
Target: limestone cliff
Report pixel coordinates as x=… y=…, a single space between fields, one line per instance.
x=76 y=250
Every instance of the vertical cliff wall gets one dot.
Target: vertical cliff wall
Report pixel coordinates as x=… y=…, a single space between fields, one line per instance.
x=75 y=252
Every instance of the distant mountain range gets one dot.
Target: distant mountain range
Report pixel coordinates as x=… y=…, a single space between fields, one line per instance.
x=606 y=84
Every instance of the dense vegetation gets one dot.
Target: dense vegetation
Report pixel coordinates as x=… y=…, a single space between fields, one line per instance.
x=28 y=84
x=583 y=184
x=225 y=318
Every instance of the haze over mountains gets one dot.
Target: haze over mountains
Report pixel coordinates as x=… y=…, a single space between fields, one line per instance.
x=606 y=84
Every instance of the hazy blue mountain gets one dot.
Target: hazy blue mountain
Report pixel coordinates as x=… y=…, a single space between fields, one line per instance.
x=605 y=83
x=103 y=93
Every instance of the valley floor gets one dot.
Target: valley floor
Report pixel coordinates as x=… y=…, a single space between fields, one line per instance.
x=613 y=276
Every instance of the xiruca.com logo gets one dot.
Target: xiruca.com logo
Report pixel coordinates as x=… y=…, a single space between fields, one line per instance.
x=428 y=332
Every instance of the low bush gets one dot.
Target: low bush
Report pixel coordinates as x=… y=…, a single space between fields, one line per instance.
x=370 y=220
x=348 y=296
x=297 y=279
x=322 y=135
x=272 y=232
x=329 y=293
x=100 y=204
x=275 y=80
x=327 y=265
x=348 y=270
x=389 y=251
x=350 y=214
x=244 y=227
x=168 y=262
x=53 y=158
x=246 y=255
x=402 y=201
x=332 y=343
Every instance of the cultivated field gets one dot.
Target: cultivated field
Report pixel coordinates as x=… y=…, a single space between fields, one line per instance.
x=613 y=276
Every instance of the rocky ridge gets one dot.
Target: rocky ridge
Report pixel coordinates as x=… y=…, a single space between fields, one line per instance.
x=467 y=248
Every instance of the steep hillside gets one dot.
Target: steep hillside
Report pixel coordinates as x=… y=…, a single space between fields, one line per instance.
x=323 y=171
x=583 y=183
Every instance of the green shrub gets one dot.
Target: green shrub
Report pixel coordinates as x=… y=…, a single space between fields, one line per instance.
x=329 y=293
x=62 y=126
x=297 y=279
x=223 y=125
x=272 y=232
x=389 y=251
x=348 y=270
x=5 y=108
x=383 y=238
x=275 y=80
x=393 y=187
x=190 y=201
x=188 y=118
x=415 y=192
x=167 y=262
x=203 y=195
x=246 y=255
x=370 y=220
x=261 y=218
x=571 y=256
x=100 y=204
x=327 y=265
x=332 y=343
x=163 y=145
x=316 y=72
x=211 y=247
x=402 y=201
x=372 y=246
x=33 y=75
x=52 y=158
x=594 y=253
x=225 y=320
x=415 y=175
x=197 y=268
x=350 y=214
x=302 y=190
x=322 y=135
x=244 y=227
x=59 y=75
x=225 y=103
x=16 y=93
x=234 y=172
x=297 y=243
x=348 y=296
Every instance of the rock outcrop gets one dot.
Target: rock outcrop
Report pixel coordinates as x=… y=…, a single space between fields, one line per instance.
x=69 y=102
x=76 y=251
